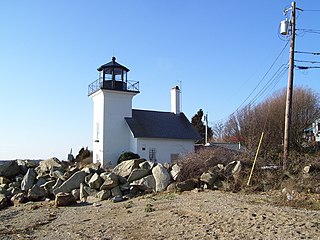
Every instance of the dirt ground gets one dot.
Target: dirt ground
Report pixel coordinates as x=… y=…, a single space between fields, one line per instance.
x=189 y=215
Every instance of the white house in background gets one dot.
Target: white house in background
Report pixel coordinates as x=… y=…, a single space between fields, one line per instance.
x=117 y=128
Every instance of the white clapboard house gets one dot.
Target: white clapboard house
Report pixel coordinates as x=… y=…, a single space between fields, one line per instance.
x=117 y=128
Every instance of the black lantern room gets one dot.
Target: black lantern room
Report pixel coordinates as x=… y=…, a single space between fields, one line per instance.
x=113 y=76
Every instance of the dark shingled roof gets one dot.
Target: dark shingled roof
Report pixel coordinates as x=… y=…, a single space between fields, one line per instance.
x=153 y=124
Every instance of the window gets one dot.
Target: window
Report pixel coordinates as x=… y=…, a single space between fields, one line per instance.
x=152 y=154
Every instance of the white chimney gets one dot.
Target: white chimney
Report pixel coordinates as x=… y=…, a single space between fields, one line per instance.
x=175 y=100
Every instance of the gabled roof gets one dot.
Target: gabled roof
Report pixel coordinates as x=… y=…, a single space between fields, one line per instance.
x=154 y=124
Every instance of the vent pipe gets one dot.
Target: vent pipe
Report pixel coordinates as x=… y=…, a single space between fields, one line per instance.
x=175 y=100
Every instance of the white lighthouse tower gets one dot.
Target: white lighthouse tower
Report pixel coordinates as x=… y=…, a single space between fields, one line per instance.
x=112 y=97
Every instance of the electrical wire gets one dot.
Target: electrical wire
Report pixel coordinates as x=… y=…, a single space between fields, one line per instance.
x=316 y=10
x=313 y=53
x=305 y=67
x=262 y=77
x=274 y=77
x=270 y=85
x=306 y=61
x=314 y=31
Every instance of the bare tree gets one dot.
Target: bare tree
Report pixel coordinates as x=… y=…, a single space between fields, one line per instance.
x=247 y=124
x=217 y=130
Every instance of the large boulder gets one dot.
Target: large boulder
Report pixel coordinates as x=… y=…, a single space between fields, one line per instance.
x=138 y=174
x=110 y=181
x=125 y=168
x=64 y=199
x=175 y=170
x=28 y=179
x=103 y=194
x=9 y=169
x=116 y=192
x=72 y=183
x=147 y=183
x=36 y=193
x=48 y=186
x=47 y=165
x=187 y=185
x=95 y=181
x=147 y=165
x=161 y=176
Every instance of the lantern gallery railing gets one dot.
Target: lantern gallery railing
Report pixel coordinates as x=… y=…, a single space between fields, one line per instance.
x=130 y=86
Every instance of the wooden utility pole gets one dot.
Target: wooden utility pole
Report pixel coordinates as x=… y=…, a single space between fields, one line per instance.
x=287 y=121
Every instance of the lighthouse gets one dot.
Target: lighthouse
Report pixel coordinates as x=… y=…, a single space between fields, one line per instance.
x=112 y=95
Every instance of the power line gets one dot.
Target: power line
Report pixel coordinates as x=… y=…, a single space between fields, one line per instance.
x=262 y=77
x=315 y=31
x=316 y=10
x=305 y=67
x=274 y=80
x=313 y=53
x=306 y=61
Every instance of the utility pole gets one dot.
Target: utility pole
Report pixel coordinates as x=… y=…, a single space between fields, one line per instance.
x=206 y=129
x=287 y=121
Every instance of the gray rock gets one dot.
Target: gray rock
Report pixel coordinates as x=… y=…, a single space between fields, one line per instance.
x=27 y=163
x=147 y=183
x=213 y=177
x=41 y=181
x=147 y=165
x=4 y=180
x=208 y=177
x=58 y=173
x=83 y=194
x=111 y=181
x=187 y=185
x=19 y=198
x=95 y=181
x=232 y=168
x=172 y=187
x=72 y=183
x=5 y=191
x=57 y=184
x=15 y=184
x=64 y=199
x=175 y=170
x=103 y=194
x=70 y=172
x=3 y=201
x=48 y=165
x=138 y=174
x=9 y=169
x=91 y=192
x=48 y=186
x=125 y=187
x=14 y=190
x=117 y=199
x=76 y=193
x=87 y=178
x=36 y=193
x=161 y=176
x=116 y=192
x=28 y=179
x=125 y=168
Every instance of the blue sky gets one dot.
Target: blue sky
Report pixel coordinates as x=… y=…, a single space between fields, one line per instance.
x=219 y=50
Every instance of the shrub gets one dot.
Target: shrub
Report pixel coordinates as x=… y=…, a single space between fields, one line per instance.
x=127 y=156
